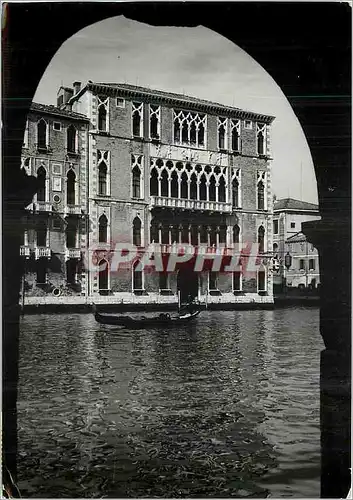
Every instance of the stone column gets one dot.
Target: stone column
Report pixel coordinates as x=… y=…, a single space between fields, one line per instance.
x=332 y=239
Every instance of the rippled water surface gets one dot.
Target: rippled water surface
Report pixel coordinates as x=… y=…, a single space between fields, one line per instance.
x=228 y=406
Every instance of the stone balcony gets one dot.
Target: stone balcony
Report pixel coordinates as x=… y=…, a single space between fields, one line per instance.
x=25 y=251
x=188 y=204
x=202 y=248
x=72 y=210
x=42 y=206
x=42 y=252
x=73 y=253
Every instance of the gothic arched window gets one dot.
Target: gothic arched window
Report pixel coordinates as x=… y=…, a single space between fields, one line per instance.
x=71 y=139
x=42 y=134
x=236 y=234
x=212 y=189
x=102 y=178
x=235 y=193
x=260 y=143
x=203 y=194
x=136 y=182
x=260 y=196
x=174 y=185
x=222 y=234
x=103 y=274
x=154 y=182
x=261 y=239
x=102 y=118
x=193 y=187
x=103 y=229
x=71 y=233
x=41 y=176
x=164 y=183
x=136 y=232
x=154 y=232
x=222 y=190
x=136 y=277
x=184 y=185
x=70 y=187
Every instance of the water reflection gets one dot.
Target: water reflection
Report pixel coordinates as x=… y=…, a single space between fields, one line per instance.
x=228 y=406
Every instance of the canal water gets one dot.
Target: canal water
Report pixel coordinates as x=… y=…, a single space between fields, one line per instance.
x=226 y=407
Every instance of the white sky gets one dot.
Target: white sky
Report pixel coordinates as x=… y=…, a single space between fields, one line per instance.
x=192 y=61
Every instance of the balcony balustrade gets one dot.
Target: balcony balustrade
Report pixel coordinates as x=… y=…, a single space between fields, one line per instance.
x=72 y=210
x=73 y=253
x=188 y=204
x=42 y=206
x=25 y=251
x=202 y=248
x=42 y=252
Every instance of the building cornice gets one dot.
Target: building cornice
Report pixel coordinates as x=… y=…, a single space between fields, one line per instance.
x=173 y=100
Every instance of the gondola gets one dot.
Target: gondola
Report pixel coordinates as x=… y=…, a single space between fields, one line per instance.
x=163 y=320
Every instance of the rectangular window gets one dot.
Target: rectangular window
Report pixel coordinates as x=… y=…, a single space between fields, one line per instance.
x=261 y=281
x=155 y=122
x=57 y=126
x=311 y=264
x=42 y=271
x=237 y=281
x=71 y=234
x=71 y=271
x=275 y=227
x=301 y=264
x=137 y=277
x=164 y=281
x=56 y=224
x=248 y=124
x=120 y=102
x=212 y=281
x=189 y=128
x=292 y=225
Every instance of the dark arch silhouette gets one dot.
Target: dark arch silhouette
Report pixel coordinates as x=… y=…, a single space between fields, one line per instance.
x=318 y=67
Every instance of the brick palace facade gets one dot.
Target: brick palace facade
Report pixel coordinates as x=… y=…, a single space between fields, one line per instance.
x=123 y=164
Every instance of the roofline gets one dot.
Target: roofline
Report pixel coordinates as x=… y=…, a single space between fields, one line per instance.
x=315 y=210
x=176 y=101
x=295 y=235
x=58 y=112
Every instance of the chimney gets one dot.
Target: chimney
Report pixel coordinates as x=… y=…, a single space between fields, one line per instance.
x=77 y=87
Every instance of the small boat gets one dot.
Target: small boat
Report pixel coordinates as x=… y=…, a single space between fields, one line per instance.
x=164 y=320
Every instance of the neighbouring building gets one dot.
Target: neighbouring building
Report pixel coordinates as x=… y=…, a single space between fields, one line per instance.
x=291 y=247
x=55 y=150
x=132 y=165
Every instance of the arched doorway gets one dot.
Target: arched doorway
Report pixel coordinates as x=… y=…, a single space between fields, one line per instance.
x=187 y=285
